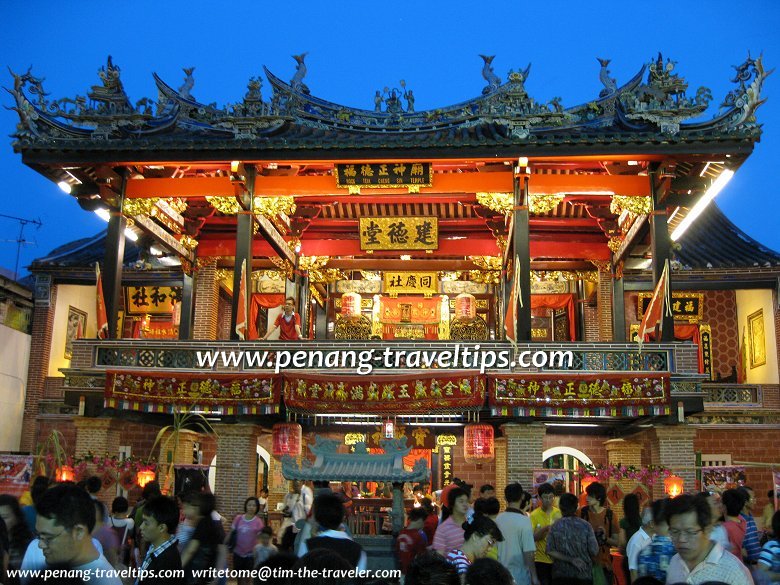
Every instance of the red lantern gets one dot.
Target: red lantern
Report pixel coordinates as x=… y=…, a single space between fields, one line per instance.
x=673 y=486
x=287 y=439
x=465 y=307
x=478 y=443
x=65 y=473
x=144 y=477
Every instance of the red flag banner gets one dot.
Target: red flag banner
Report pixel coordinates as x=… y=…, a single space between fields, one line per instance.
x=386 y=394
x=102 y=317
x=553 y=394
x=214 y=393
x=655 y=309
x=241 y=308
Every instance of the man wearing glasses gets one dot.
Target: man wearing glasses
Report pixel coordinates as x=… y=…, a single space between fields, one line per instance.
x=699 y=559
x=66 y=517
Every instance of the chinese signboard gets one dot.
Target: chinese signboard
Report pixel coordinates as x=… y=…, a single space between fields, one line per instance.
x=383 y=175
x=445 y=443
x=420 y=283
x=151 y=300
x=323 y=393
x=217 y=393
x=636 y=394
x=399 y=233
x=685 y=306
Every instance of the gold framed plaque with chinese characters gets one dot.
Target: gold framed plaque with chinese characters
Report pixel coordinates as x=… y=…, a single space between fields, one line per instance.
x=399 y=233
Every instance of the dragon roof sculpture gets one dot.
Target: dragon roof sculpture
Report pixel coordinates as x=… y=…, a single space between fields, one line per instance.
x=653 y=103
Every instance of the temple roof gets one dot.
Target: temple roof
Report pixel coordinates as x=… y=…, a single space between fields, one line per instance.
x=651 y=110
x=361 y=465
x=712 y=241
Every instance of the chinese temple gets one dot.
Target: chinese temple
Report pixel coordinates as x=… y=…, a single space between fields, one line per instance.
x=496 y=233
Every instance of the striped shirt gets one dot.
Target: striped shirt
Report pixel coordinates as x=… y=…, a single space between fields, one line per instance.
x=448 y=536
x=459 y=560
x=770 y=556
x=751 y=543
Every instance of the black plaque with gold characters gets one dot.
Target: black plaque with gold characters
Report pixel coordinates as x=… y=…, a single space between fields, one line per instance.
x=384 y=175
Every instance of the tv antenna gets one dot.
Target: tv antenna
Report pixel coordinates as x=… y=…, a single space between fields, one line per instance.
x=20 y=238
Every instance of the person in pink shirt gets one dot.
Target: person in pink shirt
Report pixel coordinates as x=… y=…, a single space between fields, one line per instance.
x=449 y=534
x=733 y=503
x=246 y=526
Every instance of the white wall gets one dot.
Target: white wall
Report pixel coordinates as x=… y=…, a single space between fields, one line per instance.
x=748 y=302
x=79 y=297
x=14 y=357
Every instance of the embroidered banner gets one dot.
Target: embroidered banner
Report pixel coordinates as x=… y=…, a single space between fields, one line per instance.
x=406 y=394
x=579 y=394
x=214 y=393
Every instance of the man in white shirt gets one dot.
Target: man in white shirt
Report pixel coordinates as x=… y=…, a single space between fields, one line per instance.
x=639 y=540
x=699 y=559
x=66 y=517
x=516 y=552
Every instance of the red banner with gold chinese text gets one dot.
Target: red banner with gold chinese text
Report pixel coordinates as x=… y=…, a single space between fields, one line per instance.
x=632 y=394
x=415 y=310
x=408 y=394
x=211 y=393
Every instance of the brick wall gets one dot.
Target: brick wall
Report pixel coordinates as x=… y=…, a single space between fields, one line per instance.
x=771 y=396
x=745 y=445
x=592 y=329
x=235 y=468
x=501 y=481
x=590 y=445
x=206 y=300
x=676 y=450
x=40 y=351
x=524 y=448
x=605 y=306
x=223 y=320
x=53 y=387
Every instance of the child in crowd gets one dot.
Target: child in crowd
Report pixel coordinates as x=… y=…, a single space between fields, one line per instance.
x=264 y=549
x=412 y=540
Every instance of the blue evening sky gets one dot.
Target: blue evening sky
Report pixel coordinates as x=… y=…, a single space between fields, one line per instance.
x=358 y=47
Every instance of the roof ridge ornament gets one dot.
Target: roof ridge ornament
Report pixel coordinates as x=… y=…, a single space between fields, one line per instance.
x=610 y=83
x=189 y=82
x=494 y=82
x=662 y=99
x=300 y=72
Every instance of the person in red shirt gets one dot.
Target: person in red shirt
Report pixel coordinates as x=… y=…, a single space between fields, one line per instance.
x=411 y=540
x=288 y=323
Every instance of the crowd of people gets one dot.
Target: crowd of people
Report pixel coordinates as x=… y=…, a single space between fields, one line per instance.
x=704 y=538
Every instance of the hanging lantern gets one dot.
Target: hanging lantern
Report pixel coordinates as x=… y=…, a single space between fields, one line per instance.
x=478 y=443
x=388 y=429
x=65 y=473
x=673 y=486
x=287 y=439
x=144 y=477
x=350 y=305
x=465 y=307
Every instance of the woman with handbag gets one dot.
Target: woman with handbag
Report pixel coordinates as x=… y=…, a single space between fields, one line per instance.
x=243 y=536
